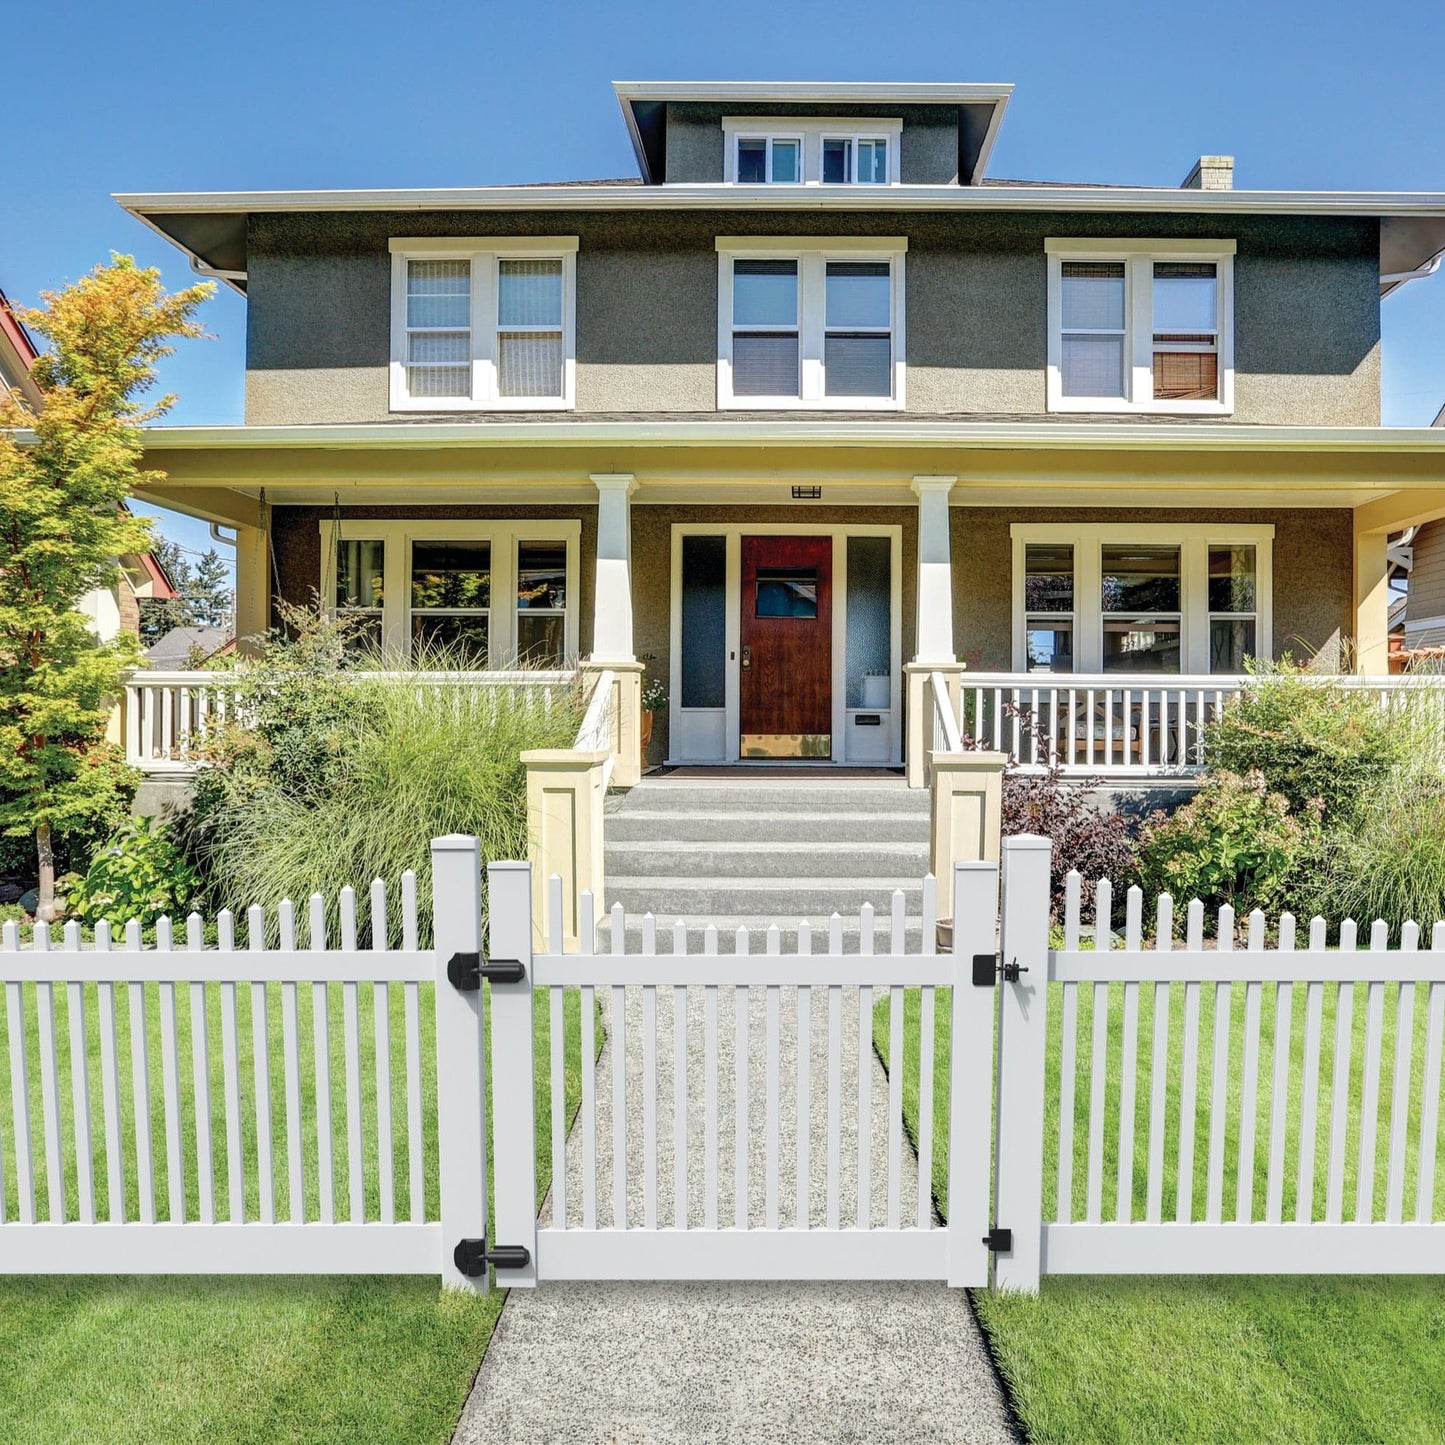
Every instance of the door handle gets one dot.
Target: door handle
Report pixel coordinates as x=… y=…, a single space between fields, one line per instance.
x=747 y=659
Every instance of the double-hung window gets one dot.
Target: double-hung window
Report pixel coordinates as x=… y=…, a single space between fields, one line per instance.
x=816 y=151
x=1141 y=326
x=482 y=324
x=855 y=161
x=360 y=588
x=804 y=323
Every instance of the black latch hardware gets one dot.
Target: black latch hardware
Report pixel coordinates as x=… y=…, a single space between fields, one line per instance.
x=471 y=1257
x=1000 y=1241
x=465 y=971
x=988 y=969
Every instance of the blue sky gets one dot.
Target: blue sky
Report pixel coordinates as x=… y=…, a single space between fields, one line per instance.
x=157 y=97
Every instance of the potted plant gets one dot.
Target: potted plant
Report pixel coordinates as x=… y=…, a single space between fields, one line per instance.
x=654 y=699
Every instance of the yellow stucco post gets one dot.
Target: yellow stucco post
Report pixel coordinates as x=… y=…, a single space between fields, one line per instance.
x=565 y=794
x=1372 y=603
x=253 y=586
x=967 y=814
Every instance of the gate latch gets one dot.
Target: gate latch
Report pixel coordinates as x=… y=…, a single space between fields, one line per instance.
x=471 y=1257
x=988 y=968
x=465 y=971
x=1000 y=1241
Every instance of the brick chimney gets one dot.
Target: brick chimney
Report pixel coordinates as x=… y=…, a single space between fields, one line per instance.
x=1210 y=173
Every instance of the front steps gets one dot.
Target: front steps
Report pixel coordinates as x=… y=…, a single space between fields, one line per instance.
x=754 y=849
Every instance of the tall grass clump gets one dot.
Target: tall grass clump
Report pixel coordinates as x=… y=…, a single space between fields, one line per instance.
x=340 y=776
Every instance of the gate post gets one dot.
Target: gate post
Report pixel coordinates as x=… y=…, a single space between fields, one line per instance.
x=1023 y=1010
x=514 y=1123
x=461 y=1057
x=970 y=1108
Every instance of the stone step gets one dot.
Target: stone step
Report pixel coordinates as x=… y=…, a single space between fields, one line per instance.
x=786 y=795
x=781 y=899
x=644 y=824
x=816 y=856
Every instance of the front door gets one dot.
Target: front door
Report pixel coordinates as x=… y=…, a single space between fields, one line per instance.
x=786 y=663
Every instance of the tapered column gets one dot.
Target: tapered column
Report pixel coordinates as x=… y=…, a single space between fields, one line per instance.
x=1372 y=604
x=935 y=571
x=253 y=587
x=612 y=617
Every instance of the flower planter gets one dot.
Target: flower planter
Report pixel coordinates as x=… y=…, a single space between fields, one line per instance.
x=646 y=731
x=945 y=935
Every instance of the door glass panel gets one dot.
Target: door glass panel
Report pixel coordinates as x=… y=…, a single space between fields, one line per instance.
x=787 y=592
x=870 y=584
x=704 y=621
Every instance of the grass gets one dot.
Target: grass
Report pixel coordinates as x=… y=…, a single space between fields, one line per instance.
x=1277 y=1358
x=141 y=1359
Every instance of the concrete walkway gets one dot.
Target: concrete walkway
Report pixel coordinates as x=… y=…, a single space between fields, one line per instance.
x=882 y=1361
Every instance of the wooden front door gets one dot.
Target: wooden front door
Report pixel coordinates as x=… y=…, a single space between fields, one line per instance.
x=786 y=664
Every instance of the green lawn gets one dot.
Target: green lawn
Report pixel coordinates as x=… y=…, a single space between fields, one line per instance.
x=1286 y=1358
x=146 y=1359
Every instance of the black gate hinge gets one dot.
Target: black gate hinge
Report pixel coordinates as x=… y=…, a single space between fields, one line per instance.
x=1000 y=1241
x=465 y=971
x=471 y=1257
x=988 y=968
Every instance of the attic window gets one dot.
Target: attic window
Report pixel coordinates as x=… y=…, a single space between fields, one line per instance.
x=781 y=150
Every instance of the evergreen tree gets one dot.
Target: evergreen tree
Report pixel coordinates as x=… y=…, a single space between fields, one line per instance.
x=204 y=597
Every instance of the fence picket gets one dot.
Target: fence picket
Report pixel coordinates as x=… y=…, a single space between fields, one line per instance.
x=865 y=1077
x=200 y=1077
x=1189 y=1071
x=171 y=1087
x=1279 y=1086
x=49 y=1085
x=588 y=1010
x=351 y=1030
x=1400 y=1099
x=1430 y=1100
x=803 y=1157
x=649 y=1082
x=1340 y=1085
x=291 y=1062
x=772 y=1120
x=710 y=1087
x=679 y=1086
x=321 y=1038
x=1310 y=1087
x=261 y=1071
x=411 y=1007
x=230 y=1074
x=835 y=1081
x=109 y=1089
x=140 y=1078
x=1159 y=1065
x=80 y=1088
x=1370 y=1098
x=926 y=1006
x=381 y=1025
x=619 y=1097
x=1129 y=1064
x=1249 y=1084
x=740 y=1095
x=1068 y=1075
x=1219 y=1086
x=1098 y=1058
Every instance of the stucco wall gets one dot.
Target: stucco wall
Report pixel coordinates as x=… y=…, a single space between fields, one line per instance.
x=318 y=344
x=1313 y=575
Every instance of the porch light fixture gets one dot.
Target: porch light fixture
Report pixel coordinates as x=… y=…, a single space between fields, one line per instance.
x=807 y=494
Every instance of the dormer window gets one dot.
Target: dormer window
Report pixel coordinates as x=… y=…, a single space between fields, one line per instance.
x=780 y=151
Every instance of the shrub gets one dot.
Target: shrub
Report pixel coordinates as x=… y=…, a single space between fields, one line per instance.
x=139 y=873
x=1310 y=740
x=1236 y=841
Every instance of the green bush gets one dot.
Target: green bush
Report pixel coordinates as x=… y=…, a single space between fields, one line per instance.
x=1311 y=740
x=1234 y=842
x=139 y=873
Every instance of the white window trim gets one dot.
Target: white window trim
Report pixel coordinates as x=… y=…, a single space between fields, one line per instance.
x=812 y=133
x=504 y=535
x=483 y=253
x=1138 y=256
x=1193 y=539
x=812 y=255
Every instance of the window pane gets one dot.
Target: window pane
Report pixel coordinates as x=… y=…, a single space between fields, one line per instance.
x=1051 y=647
x=529 y=363
x=1186 y=376
x=785 y=162
x=438 y=293
x=857 y=365
x=451 y=574
x=1141 y=644
x=869 y=650
x=704 y=621
x=432 y=381
x=1049 y=578
x=463 y=637
x=1093 y=295
x=359 y=569
x=1093 y=366
x=541 y=574
x=858 y=293
x=752 y=162
x=1140 y=579
x=765 y=365
x=787 y=592
x=765 y=293
x=540 y=639
x=873 y=162
x=836 y=155
x=431 y=348
x=529 y=293
x=1231 y=579
x=439 y=311
x=1231 y=640
x=1185 y=296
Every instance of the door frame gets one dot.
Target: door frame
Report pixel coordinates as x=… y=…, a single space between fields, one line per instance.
x=734 y=532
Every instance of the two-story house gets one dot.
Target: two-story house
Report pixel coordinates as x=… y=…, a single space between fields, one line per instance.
x=813 y=399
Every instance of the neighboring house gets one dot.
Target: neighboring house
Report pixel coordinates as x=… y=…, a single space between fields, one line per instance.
x=1424 y=628
x=811 y=399
x=111 y=610
x=183 y=645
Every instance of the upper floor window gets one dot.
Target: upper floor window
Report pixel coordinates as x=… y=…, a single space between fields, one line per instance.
x=483 y=323
x=1141 y=326
x=775 y=151
x=810 y=323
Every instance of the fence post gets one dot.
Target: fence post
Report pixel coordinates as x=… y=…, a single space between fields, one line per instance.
x=970 y=1109
x=1022 y=1039
x=514 y=1122
x=461 y=1055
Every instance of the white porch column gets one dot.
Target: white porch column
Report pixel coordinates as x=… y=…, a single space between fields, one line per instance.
x=1372 y=603
x=612 y=603
x=934 y=642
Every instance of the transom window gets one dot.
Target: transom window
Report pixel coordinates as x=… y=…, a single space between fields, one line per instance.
x=483 y=324
x=1140 y=326
x=1134 y=598
x=810 y=328
x=763 y=150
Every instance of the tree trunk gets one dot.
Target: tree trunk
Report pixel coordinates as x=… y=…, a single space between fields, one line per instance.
x=45 y=904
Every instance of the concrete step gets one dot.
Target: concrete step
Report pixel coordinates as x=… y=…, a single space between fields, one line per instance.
x=757 y=934
x=646 y=824
x=776 y=899
x=815 y=856
x=789 y=795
